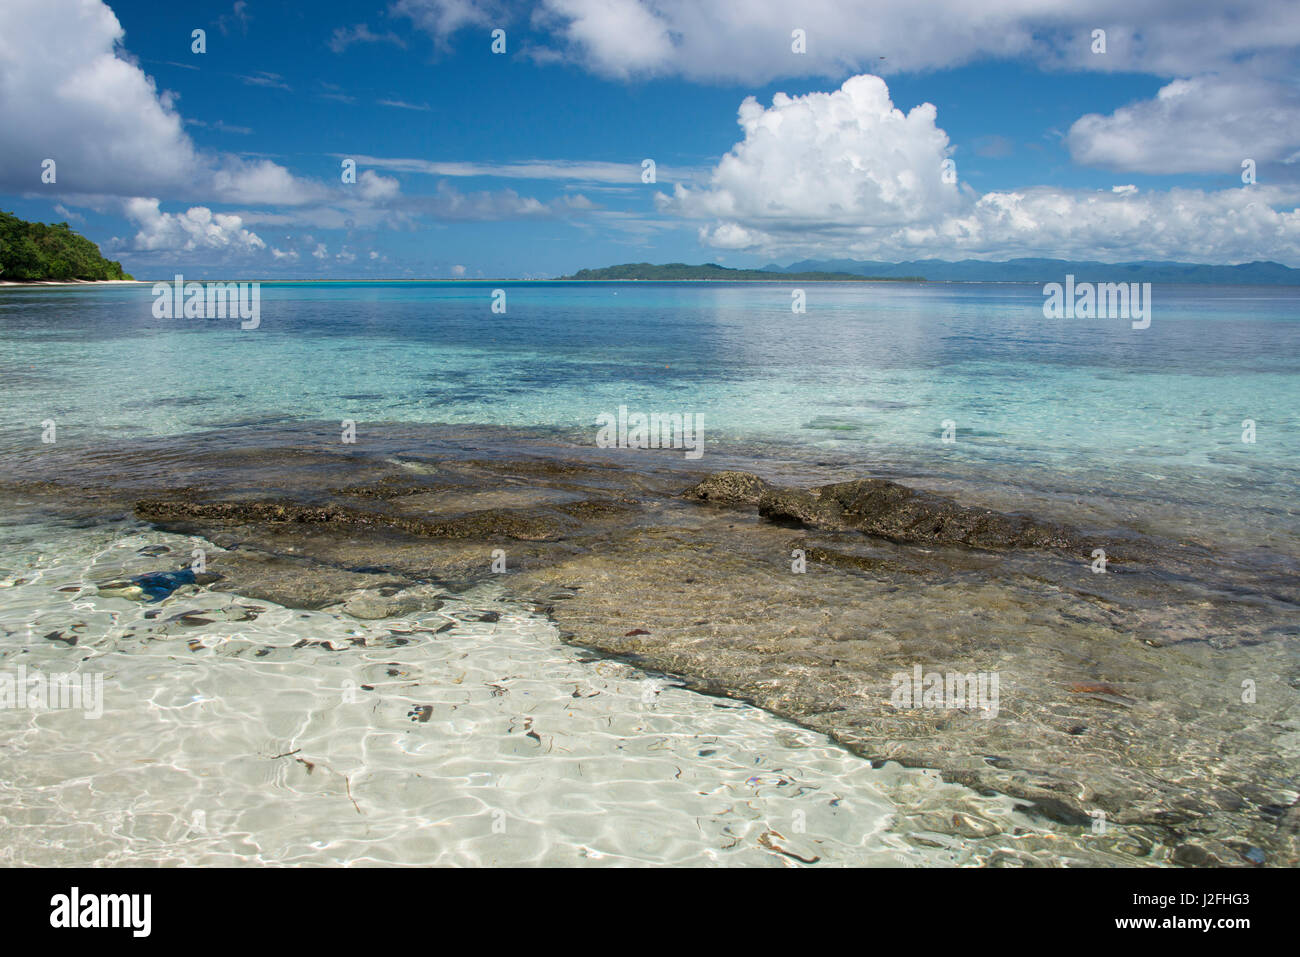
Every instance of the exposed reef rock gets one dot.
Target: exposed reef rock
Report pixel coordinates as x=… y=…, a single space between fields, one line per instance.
x=884 y=509
x=728 y=488
x=1117 y=692
x=901 y=514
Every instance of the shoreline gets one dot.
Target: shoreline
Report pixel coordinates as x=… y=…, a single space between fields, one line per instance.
x=74 y=282
x=775 y=281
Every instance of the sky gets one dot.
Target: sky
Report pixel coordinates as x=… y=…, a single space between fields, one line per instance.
x=894 y=130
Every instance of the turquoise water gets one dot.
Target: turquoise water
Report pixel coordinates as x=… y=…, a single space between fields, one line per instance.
x=1087 y=420
x=869 y=373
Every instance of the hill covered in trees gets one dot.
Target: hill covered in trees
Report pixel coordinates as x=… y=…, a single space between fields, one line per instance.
x=36 y=251
x=679 y=271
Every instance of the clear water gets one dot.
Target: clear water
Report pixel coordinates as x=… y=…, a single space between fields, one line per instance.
x=878 y=364
x=1080 y=418
x=870 y=370
x=226 y=742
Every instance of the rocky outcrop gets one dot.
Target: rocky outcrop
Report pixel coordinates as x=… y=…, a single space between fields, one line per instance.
x=728 y=488
x=884 y=509
x=901 y=514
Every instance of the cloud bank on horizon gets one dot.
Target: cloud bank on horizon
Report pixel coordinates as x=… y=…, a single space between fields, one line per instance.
x=1162 y=130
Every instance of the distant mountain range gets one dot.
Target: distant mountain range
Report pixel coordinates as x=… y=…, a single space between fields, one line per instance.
x=712 y=271
x=1052 y=270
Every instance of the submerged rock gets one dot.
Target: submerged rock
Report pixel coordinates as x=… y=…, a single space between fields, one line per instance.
x=486 y=524
x=795 y=506
x=728 y=488
x=884 y=509
x=155 y=586
x=372 y=604
x=901 y=514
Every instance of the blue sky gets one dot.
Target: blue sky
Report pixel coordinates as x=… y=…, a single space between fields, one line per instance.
x=475 y=164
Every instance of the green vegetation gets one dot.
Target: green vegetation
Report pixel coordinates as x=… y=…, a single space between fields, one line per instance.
x=679 y=271
x=34 y=251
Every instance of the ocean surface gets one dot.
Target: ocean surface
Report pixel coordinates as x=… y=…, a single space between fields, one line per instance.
x=1187 y=429
x=871 y=371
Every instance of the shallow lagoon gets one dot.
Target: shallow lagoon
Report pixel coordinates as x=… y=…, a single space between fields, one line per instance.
x=1089 y=422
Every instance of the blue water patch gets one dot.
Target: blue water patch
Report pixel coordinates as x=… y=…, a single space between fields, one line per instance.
x=881 y=365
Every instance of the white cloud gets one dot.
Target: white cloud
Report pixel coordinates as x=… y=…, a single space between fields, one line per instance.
x=843 y=158
x=65 y=95
x=617 y=37
x=238 y=16
x=403 y=105
x=448 y=203
x=1195 y=125
x=845 y=173
x=272 y=81
x=442 y=18
x=377 y=189
x=1230 y=225
x=68 y=93
x=196 y=228
x=751 y=42
x=344 y=37
x=261 y=181
x=1204 y=124
x=592 y=171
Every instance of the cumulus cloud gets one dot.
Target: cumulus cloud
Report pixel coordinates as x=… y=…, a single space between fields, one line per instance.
x=64 y=94
x=196 y=228
x=261 y=181
x=1230 y=225
x=617 y=37
x=375 y=188
x=846 y=173
x=1203 y=124
x=842 y=158
x=67 y=93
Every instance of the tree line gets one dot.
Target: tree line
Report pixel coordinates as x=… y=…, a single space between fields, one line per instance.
x=35 y=251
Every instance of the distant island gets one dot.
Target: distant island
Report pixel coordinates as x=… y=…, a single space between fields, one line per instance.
x=712 y=271
x=1052 y=270
x=36 y=252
